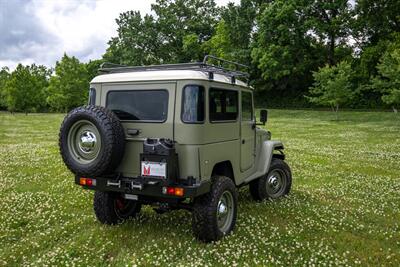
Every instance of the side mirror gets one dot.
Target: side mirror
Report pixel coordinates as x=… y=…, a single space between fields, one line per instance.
x=263 y=116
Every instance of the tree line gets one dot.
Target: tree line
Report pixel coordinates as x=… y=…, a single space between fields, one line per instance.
x=35 y=88
x=301 y=53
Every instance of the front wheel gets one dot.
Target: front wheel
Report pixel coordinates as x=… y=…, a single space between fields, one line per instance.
x=112 y=208
x=214 y=213
x=276 y=183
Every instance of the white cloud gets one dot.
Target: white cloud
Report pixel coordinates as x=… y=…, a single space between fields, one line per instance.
x=84 y=27
x=79 y=28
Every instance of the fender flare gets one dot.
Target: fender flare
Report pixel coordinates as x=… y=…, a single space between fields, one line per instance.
x=265 y=157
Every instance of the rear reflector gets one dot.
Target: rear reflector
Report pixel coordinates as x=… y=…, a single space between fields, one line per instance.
x=174 y=191
x=87 y=181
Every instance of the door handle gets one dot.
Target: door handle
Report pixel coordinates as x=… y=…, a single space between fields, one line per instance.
x=133 y=131
x=243 y=141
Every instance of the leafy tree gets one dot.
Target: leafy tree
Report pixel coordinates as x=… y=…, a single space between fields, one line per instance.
x=69 y=86
x=332 y=86
x=192 y=48
x=233 y=36
x=4 y=76
x=377 y=25
x=175 y=33
x=177 y=19
x=283 y=50
x=25 y=88
x=376 y=28
x=138 y=41
x=330 y=23
x=388 y=81
x=92 y=68
x=220 y=44
x=376 y=20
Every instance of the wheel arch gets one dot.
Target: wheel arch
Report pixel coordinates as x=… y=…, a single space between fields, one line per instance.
x=273 y=149
x=224 y=168
x=278 y=152
x=269 y=150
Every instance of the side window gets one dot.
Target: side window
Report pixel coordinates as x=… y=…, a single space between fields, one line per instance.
x=223 y=105
x=92 y=96
x=193 y=104
x=247 y=106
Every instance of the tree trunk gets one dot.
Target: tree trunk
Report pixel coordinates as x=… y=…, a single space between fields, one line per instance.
x=336 y=111
x=331 y=53
x=332 y=37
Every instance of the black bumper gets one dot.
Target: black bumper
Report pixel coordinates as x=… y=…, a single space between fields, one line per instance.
x=147 y=187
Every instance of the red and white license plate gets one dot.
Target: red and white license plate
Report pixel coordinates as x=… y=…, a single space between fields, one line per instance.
x=154 y=169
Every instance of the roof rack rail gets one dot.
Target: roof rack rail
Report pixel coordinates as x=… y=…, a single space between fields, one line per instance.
x=110 y=65
x=204 y=66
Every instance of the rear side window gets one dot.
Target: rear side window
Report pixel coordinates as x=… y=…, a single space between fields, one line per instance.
x=193 y=104
x=223 y=105
x=139 y=105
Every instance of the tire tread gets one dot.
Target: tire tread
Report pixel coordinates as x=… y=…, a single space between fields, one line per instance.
x=205 y=227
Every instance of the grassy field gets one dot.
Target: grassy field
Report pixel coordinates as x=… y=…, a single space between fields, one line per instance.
x=344 y=208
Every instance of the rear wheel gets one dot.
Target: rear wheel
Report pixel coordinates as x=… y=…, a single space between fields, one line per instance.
x=214 y=213
x=276 y=183
x=111 y=208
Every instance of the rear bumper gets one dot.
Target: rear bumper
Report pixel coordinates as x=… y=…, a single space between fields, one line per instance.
x=154 y=188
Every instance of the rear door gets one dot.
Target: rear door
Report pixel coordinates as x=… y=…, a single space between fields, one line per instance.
x=247 y=131
x=146 y=111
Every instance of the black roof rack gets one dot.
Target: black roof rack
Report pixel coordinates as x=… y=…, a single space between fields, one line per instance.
x=238 y=71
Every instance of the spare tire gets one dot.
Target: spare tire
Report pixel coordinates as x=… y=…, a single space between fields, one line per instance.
x=92 y=141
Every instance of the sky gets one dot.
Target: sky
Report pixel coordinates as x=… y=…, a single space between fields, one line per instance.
x=40 y=31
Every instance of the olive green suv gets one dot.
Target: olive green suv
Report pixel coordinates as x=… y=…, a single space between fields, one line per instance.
x=180 y=136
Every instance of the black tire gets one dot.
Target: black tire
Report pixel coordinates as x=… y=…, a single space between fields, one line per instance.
x=205 y=218
x=111 y=208
x=258 y=187
x=108 y=151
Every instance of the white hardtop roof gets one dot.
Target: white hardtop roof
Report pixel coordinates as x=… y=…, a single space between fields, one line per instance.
x=163 y=75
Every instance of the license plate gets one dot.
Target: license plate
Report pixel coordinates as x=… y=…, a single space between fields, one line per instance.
x=154 y=169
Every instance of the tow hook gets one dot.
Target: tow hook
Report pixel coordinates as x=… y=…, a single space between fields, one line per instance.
x=136 y=186
x=111 y=183
x=140 y=186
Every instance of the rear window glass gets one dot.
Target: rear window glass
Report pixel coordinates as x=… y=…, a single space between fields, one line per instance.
x=139 y=105
x=223 y=105
x=193 y=104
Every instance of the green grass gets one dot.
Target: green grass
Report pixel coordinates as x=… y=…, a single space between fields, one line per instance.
x=344 y=208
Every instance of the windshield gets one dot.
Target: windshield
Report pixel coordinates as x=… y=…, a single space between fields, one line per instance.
x=139 y=105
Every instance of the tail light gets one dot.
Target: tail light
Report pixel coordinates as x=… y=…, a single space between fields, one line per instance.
x=173 y=191
x=87 y=181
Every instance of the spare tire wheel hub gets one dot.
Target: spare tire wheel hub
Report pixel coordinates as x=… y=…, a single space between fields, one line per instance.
x=87 y=141
x=84 y=141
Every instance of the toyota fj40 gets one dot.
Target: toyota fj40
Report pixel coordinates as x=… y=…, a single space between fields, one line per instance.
x=178 y=136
